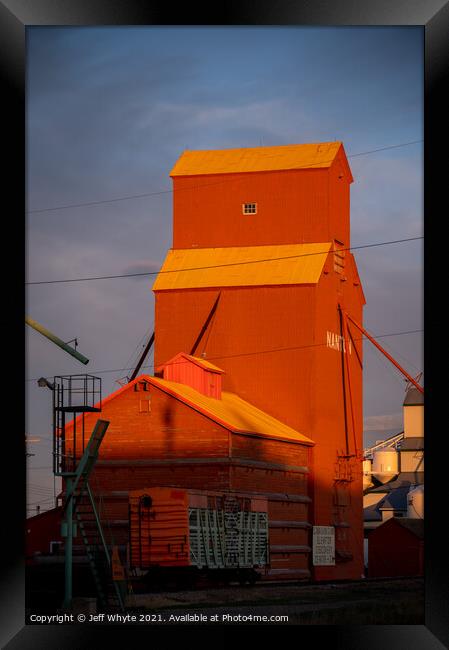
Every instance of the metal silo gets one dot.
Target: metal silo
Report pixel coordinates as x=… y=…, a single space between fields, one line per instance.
x=415 y=502
x=385 y=464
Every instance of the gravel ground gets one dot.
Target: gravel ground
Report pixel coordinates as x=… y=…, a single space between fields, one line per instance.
x=398 y=601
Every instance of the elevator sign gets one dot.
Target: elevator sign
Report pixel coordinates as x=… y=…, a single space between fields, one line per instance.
x=337 y=342
x=323 y=545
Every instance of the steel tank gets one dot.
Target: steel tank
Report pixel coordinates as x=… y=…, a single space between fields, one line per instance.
x=415 y=502
x=385 y=464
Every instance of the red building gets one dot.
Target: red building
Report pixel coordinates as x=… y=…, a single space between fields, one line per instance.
x=43 y=533
x=396 y=548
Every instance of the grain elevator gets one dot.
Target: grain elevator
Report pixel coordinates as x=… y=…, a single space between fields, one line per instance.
x=256 y=393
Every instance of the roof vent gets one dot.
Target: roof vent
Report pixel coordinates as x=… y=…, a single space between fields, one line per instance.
x=195 y=372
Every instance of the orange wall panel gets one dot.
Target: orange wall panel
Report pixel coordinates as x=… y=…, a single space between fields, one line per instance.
x=292 y=207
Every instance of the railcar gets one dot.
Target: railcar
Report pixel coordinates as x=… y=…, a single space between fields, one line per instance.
x=186 y=535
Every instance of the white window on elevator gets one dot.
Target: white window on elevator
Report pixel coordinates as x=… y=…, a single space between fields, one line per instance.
x=249 y=208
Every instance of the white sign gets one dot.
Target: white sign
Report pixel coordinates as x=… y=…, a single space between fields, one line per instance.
x=323 y=545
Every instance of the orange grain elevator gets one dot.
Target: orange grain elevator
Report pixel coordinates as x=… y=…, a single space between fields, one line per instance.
x=257 y=282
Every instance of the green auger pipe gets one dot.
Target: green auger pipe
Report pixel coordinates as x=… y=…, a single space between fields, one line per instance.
x=43 y=330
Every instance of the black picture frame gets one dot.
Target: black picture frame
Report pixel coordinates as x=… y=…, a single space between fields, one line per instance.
x=15 y=16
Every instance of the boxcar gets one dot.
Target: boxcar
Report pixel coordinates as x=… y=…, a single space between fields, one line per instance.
x=223 y=536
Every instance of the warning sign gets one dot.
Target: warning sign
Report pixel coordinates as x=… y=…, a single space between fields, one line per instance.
x=323 y=545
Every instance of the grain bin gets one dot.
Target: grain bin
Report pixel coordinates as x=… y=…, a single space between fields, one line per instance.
x=385 y=464
x=367 y=471
x=415 y=502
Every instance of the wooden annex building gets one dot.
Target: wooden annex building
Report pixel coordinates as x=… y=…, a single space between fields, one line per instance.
x=166 y=433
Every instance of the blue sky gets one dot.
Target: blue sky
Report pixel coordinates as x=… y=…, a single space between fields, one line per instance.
x=109 y=111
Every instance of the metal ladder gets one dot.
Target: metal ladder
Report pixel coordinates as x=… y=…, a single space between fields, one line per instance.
x=89 y=524
x=97 y=551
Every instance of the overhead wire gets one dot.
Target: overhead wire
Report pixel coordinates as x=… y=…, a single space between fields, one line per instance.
x=389 y=348
x=136 y=352
x=383 y=362
x=256 y=352
x=194 y=187
x=215 y=266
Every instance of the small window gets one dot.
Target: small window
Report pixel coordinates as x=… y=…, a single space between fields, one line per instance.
x=145 y=405
x=249 y=208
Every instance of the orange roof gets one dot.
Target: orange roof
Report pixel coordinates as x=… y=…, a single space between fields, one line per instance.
x=256 y=159
x=242 y=266
x=230 y=411
x=196 y=360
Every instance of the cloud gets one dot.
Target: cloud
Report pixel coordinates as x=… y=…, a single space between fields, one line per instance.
x=383 y=422
x=142 y=266
x=280 y=120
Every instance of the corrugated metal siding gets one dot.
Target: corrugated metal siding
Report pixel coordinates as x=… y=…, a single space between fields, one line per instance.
x=235 y=267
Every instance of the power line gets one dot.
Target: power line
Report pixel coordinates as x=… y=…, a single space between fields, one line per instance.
x=395 y=353
x=215 y=266
x=392 y=146
x=137 y=350
x=160 y=192
x=244 y=354
x=380 y=359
